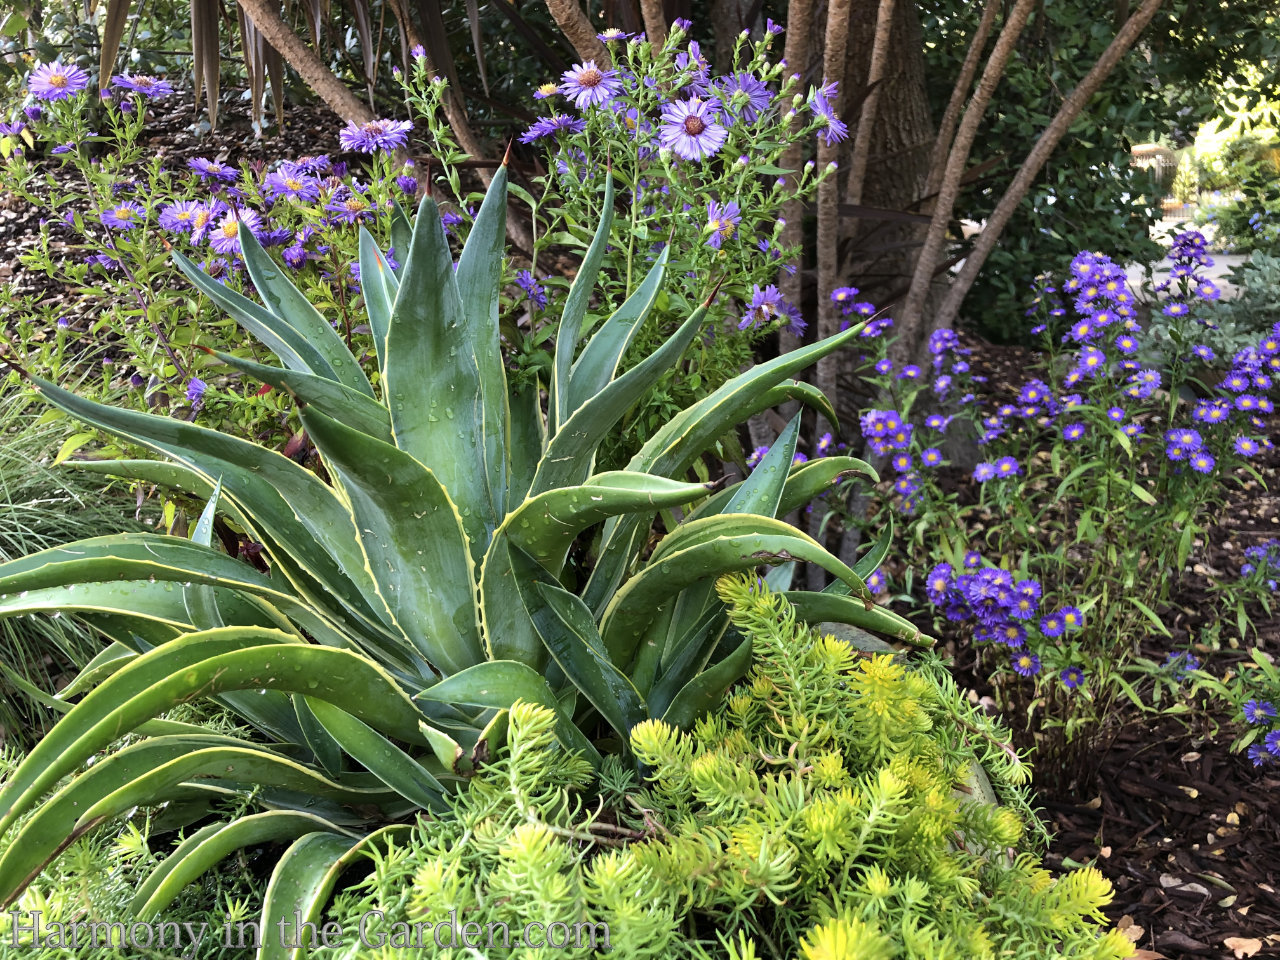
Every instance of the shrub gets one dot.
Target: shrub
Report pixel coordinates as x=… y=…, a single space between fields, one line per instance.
x=835 y=805
x=406 y=603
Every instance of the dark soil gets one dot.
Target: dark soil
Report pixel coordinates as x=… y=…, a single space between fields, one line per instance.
x=1187 y=832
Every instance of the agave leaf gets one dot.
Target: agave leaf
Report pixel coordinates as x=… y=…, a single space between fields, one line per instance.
x=822 y=607
x=108 y=661
x=704 y=691
x=327 y=752
x=798 y=390
x=205 y=664
x=276 y=335
x=288 y=304
x=51 y=828
x=502 y=683
x=567 y=628
x=162 y=473
x=245 y=764
x=401 y=239
x=715 y=545
x=761 y=492
x=479 y=280
x=507 y=630
x=572 y=449
x=287 y=503
x=333 y=398
x=199 y=599
x=575 y=308
x=545 y=525
x=134 y=556
x=686 y=655
x=380 y=756
x=413 y=539
x=871 y=561
x=148 y=601
x=378 y=286
x=598 y=364
x=526 y=438
x=209 y=845
x=433 y=417
x=303 y=879
x=670 y=451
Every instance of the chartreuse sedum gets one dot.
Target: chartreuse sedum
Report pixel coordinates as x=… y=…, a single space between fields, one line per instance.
x=418 y=592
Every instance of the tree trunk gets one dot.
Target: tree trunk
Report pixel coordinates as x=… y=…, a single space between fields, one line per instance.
x=265 y=15
x=575 y=25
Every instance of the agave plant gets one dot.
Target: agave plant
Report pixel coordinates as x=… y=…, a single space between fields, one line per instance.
x=421 y=590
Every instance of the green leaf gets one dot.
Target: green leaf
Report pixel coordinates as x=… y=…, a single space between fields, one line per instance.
x=210 y=845
x=598 y=363
x=380 y=756
x=108 y=661
x=569 y=632
x=378 y=286
x=436 y=419
x=871 y=561
x=761 y=492
x=823 y=607
x=546 y=525
x=286 y=302
x=1150 y=615
x=287 y=503
x=479 y=278
x=333 y=398
x=575 y=308
x=412 y=537
x=301 y=883
x=502 y=683
x=705 y=690
x=572 y=448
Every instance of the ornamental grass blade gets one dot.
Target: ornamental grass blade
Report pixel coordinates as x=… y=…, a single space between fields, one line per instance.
x=289 y=505
x=500 y=684
x=575 y=309
x=304 y=879
x=435 y=419
x=412 y=537
x=572 y=449
x=203 y=850
x=288 y=304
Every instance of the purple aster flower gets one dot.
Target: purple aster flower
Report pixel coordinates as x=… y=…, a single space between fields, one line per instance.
x=984 y=472
x=1007 y=467
x=1202 y=462
x=796 y=324
x=1115 y=414
x=195 y=390
x=203 y=216
x=449 y=220
x=884 y=366
x=153 y=88
x=757 y=455
x=834 y=129
x=765 y=305
x=589 y=86
x=614 y=34
x=937 y=421
x=546 y=90
x=745 y=97
x=1203 y=352
x=376 y=135
x=1051 y=625
x=1272 y=742
x=533 y=290
x=909 y=372
x=1125 y=343
x=799 y=458
x=293 y=184
x=64 y=148
x=350 y=207
x=408 y=184
x=689 y=128
x=1073 y=431
x=1072 y=677
x=1026 y=664
x=178 y=217
x=931 y=456
x=1176 y=309
x=771 y=28
x=722 y=221
x=210 y=170
x=1257 y=712
x=1246 y=446
x=56 y=81
x=124 y=216
x=549 y=126
x=823 y=446
x=226 y=236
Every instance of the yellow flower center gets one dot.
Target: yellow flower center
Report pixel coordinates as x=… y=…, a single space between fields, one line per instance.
x=58 y=80
x=230 y=228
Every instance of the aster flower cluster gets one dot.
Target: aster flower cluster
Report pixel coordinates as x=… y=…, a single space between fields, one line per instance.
x=1005 y=611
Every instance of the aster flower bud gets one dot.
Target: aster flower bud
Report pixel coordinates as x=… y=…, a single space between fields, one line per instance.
x=808 y=167
x=743 y=161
